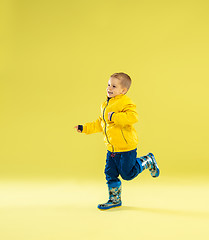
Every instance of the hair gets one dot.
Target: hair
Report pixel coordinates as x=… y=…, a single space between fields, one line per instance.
x=124 y=78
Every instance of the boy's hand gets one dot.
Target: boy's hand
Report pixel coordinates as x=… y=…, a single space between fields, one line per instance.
x=76 y=127
x=109 y=115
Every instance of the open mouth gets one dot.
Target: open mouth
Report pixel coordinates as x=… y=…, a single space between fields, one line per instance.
x=109 y=92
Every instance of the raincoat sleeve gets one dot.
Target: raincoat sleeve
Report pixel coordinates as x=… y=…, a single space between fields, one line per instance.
x=93 y=127
x=127 y=116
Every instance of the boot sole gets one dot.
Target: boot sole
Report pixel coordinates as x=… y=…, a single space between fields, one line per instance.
x=106 y=208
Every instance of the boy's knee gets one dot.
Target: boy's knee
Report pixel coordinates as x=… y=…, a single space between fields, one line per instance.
x=126 y=171
x=129 y=174
x=126 y=176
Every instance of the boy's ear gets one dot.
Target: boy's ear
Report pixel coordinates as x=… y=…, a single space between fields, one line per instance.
x=124 y=91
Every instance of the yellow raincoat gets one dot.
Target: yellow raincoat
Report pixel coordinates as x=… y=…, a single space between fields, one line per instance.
x=119 y=133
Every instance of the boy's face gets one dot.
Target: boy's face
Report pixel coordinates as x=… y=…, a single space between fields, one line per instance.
x=114 y=88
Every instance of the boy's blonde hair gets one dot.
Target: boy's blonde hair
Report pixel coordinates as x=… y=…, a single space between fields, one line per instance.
x=124 y=78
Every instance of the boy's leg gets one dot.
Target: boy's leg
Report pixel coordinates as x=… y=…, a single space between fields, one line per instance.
x=129 y=165
x=111 y=170
x=113 y=182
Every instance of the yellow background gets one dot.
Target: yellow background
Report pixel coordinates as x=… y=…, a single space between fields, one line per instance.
x=55 y=61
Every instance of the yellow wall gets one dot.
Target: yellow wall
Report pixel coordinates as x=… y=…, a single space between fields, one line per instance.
x=56 y=58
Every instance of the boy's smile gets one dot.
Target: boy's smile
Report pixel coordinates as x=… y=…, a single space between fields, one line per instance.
x=114 y=88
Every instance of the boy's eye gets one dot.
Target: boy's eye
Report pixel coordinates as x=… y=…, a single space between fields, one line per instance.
x=114 y=86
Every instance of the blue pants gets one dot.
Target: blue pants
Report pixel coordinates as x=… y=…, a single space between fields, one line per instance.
x=125 y=164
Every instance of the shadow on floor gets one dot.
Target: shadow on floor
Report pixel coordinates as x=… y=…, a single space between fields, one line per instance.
x=163 y=211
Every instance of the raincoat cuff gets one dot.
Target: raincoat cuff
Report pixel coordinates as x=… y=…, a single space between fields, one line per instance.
x=111 y=116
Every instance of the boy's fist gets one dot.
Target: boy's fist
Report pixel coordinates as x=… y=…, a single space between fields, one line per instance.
x=76 y=127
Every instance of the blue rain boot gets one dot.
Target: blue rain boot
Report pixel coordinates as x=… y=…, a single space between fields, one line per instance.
x=149 y=162
x=114 y=199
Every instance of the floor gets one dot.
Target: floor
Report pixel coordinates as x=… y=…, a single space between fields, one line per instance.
x=54 y=210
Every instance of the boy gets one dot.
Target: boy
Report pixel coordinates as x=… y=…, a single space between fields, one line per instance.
x=118 y=114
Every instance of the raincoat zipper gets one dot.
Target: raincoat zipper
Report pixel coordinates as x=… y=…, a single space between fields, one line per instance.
x=106 y=124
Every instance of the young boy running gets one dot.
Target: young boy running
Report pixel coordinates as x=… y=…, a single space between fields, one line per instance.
x=118 y=115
